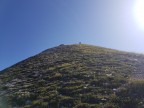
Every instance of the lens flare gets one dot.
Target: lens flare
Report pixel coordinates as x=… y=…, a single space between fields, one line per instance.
x=138 y=11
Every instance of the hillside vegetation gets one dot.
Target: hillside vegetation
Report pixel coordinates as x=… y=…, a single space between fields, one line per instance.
x=75 y=76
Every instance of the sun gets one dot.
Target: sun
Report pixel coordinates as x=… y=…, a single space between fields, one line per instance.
x=138 y=12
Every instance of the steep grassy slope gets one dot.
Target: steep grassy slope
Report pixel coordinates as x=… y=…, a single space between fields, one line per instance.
x=75 y=76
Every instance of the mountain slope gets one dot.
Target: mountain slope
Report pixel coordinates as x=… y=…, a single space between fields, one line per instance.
x=75 y=76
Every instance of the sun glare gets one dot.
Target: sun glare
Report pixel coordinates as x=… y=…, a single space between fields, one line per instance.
x=138 y=11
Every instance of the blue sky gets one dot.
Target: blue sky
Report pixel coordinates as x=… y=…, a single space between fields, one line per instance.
x=28 y=27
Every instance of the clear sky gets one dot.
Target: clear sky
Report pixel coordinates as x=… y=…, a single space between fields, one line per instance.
x=28 y=27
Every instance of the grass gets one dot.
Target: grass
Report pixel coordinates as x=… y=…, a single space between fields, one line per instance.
x=75 y=76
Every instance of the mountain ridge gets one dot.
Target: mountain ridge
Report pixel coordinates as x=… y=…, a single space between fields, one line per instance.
x=75 y=76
